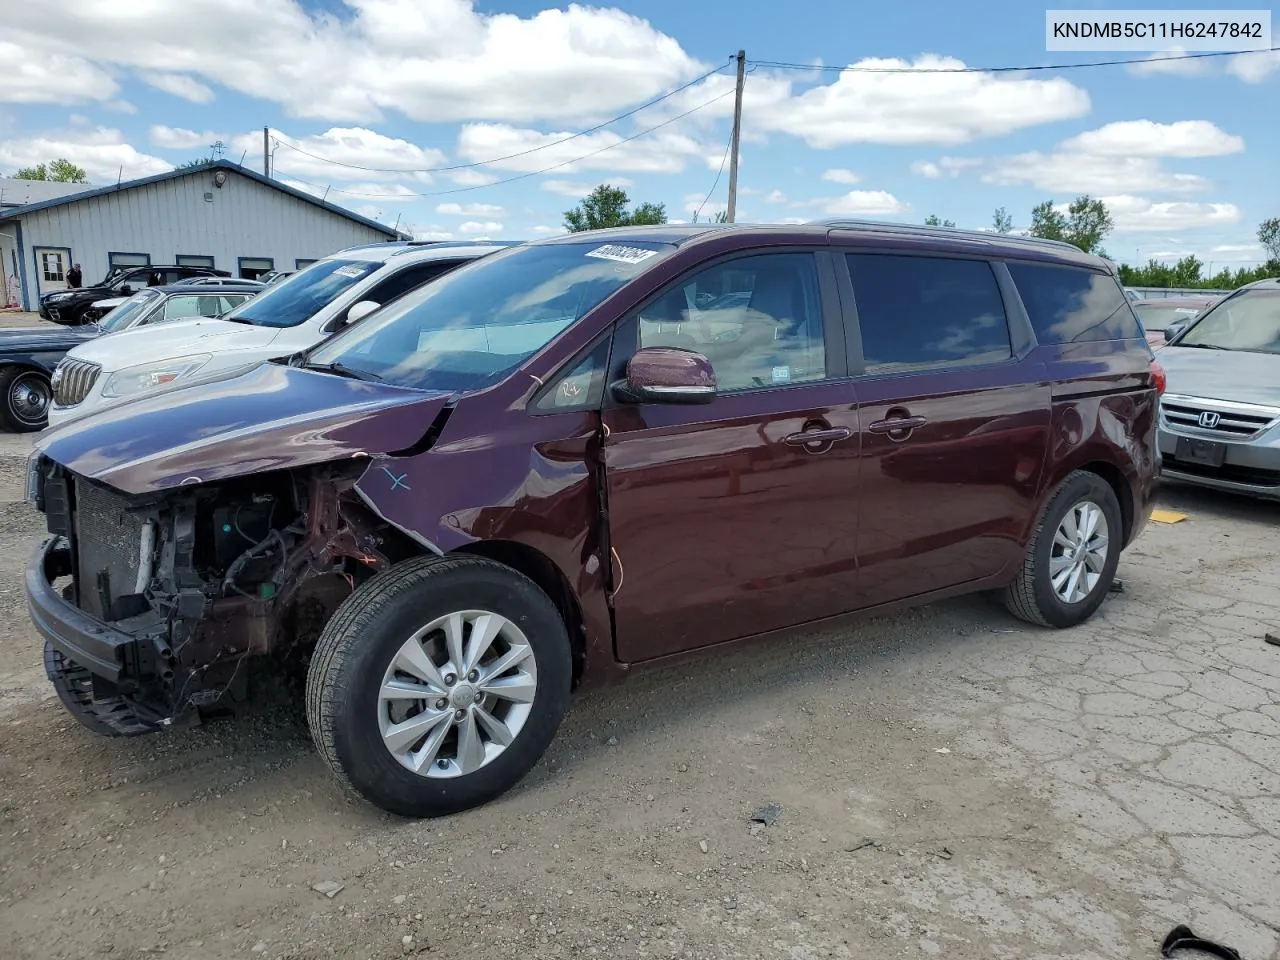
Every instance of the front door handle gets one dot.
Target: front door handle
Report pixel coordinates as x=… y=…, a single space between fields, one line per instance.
x=897 y=428
x=806 y=438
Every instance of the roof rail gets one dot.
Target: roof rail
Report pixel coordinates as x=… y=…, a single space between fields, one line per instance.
x=912 y=230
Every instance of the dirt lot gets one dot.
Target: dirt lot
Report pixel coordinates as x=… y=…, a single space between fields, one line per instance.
x=1029 y=794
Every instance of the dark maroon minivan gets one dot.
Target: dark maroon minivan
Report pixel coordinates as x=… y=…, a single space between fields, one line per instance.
x=590 y=453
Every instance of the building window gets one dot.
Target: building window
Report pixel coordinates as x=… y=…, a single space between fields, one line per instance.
x=252 y=268
x=299 y=264
x=52 y=267
x=115 y=260
x=194 y=260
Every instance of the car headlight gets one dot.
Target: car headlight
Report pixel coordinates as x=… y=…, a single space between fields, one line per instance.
x=58 y=296
x=148 y=376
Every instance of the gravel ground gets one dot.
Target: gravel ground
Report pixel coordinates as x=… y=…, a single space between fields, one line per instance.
x=950 y=783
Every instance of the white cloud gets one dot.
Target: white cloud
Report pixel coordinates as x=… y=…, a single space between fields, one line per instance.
x=776 y=196
x=661 y=152
x=180 y=138
x=1163 y=63
x=548 y=231
x=945 y=167
x=441 y=61
x=102 y=151
x=864 y=203
x=1136 y=214
x=1146 y=138
x=471 y=178
x=474 y=226
x=1084 y=173
x=391 y=157
x=840 y=175
x=913 y=107
x=49 y=76
x=1240 y=251
x=471 y=210
x=1256 y=66
x=180 y=85
x=433 y=232
x=578 y=190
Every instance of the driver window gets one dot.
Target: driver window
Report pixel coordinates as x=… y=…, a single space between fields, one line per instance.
x=757 y=319
x=181 y=308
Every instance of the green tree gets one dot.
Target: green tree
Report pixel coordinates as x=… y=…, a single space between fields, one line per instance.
x=721 y=217
x=933 y=220
x=607 y=206
x=1001 y=221
x=62 y=170
x=1269 y=237
x=1086 y=223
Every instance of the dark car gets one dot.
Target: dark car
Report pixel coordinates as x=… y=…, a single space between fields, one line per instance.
x=1164 y=317
x=68 y=306
x=30 y=355
x=554 y=465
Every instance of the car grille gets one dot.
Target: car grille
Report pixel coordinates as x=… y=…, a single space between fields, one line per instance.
x=107 y=539
x=72 y=381
x=1230 y=421
x=54 y=313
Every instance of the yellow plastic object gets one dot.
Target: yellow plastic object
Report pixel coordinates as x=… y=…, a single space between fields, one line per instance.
x=1167 y=516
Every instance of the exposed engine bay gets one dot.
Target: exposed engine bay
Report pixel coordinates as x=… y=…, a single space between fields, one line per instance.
x=195 y=581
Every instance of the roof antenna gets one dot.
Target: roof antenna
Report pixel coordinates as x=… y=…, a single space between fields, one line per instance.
x=243 y=155
x=119 y=174
x=326 y=193
x=396 y=228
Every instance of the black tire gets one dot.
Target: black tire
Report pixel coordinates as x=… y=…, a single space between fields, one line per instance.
x=1032 y=597
x=74 y=686
x=25 y=395
x=357 y=646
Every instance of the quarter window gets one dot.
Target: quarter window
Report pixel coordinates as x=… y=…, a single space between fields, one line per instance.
x=928 y=311
x=1070 y=304
x=582 y=387
x=757 y=319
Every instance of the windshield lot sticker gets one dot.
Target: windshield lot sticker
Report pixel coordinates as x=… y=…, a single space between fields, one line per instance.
x=613 y=251
x=349 y=271
x=781 y=374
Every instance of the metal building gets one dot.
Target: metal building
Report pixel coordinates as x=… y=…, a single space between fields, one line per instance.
x=218 y=214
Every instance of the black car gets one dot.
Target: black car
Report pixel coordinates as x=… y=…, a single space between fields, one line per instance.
x=68 y=306
x=28 y=355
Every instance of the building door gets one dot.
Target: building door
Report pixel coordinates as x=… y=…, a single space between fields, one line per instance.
x=51 y=268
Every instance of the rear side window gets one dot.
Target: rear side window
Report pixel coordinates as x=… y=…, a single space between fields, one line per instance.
x=1071 y=305
x=407 y=279
x=928 y=311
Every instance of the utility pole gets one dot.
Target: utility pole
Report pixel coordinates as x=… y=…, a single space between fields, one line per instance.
x=737 y=131
x=266 y=154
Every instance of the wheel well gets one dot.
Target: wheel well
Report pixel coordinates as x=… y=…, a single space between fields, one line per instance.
x=538 y=568
x=1116 y=481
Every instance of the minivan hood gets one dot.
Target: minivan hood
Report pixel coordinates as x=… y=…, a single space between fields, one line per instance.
x=270 y=418
x=177 y=338
x=1222 y=374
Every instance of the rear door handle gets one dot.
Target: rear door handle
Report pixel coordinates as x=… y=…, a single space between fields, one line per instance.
x=826 y=435
x=897 y=425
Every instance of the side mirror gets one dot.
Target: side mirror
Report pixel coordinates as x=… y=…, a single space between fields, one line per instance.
x=361 y=309
x=667 y=375
x=1175 y=328
x=127 y=290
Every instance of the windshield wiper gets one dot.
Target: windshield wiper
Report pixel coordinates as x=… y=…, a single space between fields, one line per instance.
x=1202 y=346
x=342 y=370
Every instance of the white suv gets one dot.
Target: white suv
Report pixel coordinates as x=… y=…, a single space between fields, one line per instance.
x=285 y=318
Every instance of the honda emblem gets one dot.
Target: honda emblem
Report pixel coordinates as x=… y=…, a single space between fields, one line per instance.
x=1209 y=420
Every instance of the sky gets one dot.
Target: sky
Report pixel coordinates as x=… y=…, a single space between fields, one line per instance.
x=460 y=119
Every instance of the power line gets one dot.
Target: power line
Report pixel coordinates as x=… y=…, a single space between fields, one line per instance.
x=523 y=176
x=510 y=156
x=784 y=65
x=719 y=174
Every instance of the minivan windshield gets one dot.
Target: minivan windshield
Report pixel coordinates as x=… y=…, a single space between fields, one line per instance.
x=1249 y=321
x=296 y=299
x=128 y=313
x=475 y=325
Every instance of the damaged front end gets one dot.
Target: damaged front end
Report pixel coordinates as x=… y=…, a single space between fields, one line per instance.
x=152 y=604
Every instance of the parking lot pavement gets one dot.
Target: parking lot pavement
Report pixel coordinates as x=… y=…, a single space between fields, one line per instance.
x=12 y=318
x=951 y=782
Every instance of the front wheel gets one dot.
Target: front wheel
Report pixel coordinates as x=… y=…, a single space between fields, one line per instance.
x=1072 y=557
x=439 y=684
x=25 y=396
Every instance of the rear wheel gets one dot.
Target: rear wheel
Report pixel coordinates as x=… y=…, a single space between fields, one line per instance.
x=1072 y=557
x=26 y=395
x=439 y=684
